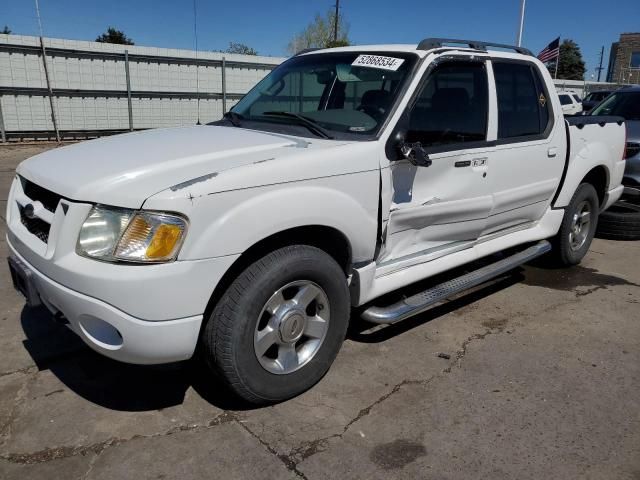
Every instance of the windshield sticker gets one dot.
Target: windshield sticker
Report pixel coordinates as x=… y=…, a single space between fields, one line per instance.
x=376 y=61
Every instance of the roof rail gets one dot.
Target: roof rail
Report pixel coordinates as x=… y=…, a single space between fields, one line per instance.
x=431 y=43
x=306 y=50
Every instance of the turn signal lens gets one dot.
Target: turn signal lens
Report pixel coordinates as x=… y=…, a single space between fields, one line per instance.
x=151 y=237
x=164 y=241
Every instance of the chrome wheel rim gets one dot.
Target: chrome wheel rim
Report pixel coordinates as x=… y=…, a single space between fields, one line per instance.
x=291 y=327
x=580 y=226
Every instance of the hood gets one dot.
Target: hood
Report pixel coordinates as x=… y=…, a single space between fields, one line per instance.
x=124 y=170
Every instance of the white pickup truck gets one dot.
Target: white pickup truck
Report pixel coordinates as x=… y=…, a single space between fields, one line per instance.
x=345 y=174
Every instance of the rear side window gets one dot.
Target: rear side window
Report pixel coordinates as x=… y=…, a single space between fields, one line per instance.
x=523 y=106
x=565 y=100
x=576 y=98
x=452 y=106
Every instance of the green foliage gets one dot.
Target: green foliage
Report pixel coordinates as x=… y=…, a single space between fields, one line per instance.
x=240 y=48
x=571 y=66
x=114 y=36
x=6 y=30
x=319 y=34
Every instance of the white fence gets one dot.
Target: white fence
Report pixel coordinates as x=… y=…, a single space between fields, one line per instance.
x=106 y=87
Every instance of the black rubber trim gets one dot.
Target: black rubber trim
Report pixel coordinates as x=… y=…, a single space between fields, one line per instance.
x=566 y=166
x=581 y=120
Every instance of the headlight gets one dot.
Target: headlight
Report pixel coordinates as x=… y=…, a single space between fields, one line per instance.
x=113 y=234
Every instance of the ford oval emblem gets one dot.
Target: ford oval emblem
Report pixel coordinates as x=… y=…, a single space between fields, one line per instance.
x=29 y=211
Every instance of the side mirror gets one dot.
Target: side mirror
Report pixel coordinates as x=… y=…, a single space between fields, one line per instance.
x=415 y=153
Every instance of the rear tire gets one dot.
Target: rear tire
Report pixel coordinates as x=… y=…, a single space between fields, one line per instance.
x=620 y=222
x=578 y=227
x=278 y=327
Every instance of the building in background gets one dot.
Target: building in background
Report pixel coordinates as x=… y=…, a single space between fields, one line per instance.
x=624 y=60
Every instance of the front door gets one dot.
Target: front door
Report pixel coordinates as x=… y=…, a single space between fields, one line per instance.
x=446 y=204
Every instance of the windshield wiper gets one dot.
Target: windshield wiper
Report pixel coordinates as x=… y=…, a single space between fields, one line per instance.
x=304 y=121
x=234 y=118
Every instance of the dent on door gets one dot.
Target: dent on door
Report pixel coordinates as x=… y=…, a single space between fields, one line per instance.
x=437 y=207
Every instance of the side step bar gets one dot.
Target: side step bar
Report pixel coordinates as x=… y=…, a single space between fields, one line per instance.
x=420 y=302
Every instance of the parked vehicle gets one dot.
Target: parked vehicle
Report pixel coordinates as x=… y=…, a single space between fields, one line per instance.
x=343 y=175
x=623 y=220
x=570 y=102
x=594 y=98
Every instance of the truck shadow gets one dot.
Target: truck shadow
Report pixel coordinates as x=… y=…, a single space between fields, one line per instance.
x=364 y=332
x=112 y=384
x=137 y=388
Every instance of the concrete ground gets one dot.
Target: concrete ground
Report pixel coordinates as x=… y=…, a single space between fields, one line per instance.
x=538 y=377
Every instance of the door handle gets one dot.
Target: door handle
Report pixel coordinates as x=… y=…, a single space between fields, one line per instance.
x=552 y=152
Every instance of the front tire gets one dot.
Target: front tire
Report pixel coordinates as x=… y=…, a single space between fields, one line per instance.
x=278 y=327
x=578 y=226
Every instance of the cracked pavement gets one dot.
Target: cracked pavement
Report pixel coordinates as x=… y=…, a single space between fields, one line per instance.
x=538 y=375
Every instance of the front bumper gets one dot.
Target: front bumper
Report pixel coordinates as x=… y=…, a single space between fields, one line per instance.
x=110 y=331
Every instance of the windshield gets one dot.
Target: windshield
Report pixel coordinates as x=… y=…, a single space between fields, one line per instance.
x=345 y=94
x=623 y=104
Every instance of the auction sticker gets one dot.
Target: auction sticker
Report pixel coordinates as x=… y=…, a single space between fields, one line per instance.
x=377 y=61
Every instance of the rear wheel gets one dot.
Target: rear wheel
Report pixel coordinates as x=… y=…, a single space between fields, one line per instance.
x=280 y=324
x=578 y=227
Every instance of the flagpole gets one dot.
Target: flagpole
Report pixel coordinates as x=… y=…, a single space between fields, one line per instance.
x=522 y=7
x=555 y=75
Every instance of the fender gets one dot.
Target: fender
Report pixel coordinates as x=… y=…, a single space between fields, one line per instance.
x=228 y=223
x=586 y=155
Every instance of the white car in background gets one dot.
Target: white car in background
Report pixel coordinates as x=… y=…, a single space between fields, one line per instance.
x=571 y=103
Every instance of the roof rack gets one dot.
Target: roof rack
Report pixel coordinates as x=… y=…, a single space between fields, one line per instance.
x=431 y=43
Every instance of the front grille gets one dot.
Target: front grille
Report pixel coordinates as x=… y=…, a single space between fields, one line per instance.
x=36 y=193
x=35 y=226
x=632 y=149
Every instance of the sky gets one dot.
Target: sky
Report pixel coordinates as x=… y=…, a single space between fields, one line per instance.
x=268 y=25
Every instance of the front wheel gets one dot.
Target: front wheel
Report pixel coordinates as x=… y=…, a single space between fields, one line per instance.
x=578 y=227
x=278 y=327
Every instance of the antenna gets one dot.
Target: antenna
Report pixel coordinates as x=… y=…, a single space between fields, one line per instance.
x=195 y=39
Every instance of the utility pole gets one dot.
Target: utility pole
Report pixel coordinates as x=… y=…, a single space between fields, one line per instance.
x=335 y=22
x=600 y=67
x=522 y=7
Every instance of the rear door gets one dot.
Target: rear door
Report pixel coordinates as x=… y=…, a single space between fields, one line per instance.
x=527 y=162
x=445 y=205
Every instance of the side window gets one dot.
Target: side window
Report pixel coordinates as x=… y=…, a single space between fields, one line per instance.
x=523 y=106
x=452 y=106
x=565 y=100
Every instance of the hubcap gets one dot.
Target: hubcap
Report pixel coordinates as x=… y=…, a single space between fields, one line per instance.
x=292 y=327
x=580 y=226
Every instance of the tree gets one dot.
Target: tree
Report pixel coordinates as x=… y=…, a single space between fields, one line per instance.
x=570 y=66
x=241 y=49
x=319 y=34
x=6 y=30
x=114 y=36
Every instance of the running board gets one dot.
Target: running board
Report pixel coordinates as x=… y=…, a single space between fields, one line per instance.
x=420 y=302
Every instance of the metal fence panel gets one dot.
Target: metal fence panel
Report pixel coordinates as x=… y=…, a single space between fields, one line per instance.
x=89 y=84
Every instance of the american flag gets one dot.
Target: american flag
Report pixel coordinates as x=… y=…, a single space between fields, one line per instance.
x=550 y=52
